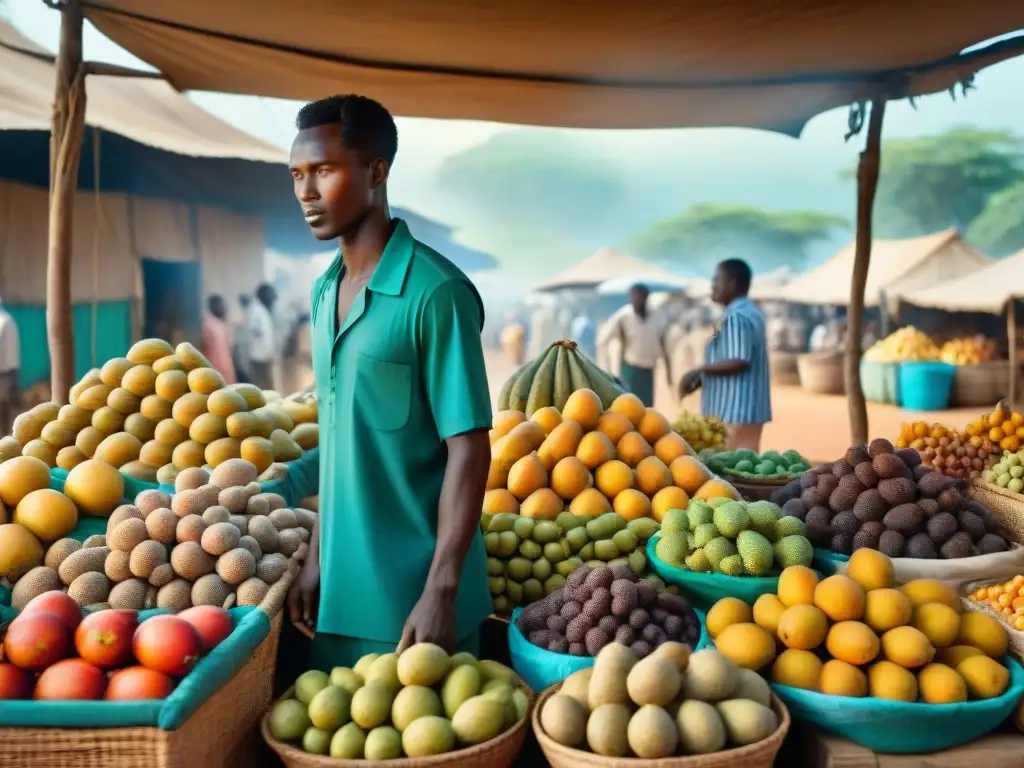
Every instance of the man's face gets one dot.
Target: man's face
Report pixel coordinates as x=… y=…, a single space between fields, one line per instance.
x=334 y=185
x=217 y=308
x=638 y=298
x=721 y=287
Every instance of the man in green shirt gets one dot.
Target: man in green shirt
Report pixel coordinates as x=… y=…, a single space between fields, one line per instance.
x=397 y=555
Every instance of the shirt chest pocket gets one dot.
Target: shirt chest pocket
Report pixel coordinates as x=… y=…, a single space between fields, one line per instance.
x=383 y=393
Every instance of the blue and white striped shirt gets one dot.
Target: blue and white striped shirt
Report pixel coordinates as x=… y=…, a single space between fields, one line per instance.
x=744 y=398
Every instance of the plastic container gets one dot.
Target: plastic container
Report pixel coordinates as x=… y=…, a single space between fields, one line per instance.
x=880 y=382
x=926 y=386
x=540 y=668
x=902 y=727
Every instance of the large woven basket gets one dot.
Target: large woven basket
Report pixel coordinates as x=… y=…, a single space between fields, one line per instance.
x=784 y=369
x=979 y=386
x=822 y=373
x=755 y=490
x=499 y=752
x=222 y=733
x=759 y=755
x=1007 y=506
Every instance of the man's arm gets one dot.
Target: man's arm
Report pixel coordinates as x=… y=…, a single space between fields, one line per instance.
x=455 y=380
x=737 y=349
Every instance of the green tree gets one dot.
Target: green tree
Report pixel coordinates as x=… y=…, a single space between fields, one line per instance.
x=999 y=228
x=707 y=233
x=933 y=182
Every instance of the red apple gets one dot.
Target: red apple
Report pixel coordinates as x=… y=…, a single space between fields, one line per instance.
x=71 y=679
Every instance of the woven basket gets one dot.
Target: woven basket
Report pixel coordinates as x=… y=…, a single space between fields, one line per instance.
x=1007 y=506
x=822 y=373
x=754 y=490
x=222 y=733
x=783 y=368
x=499 y=752
x=759 y=755
x=979 y=386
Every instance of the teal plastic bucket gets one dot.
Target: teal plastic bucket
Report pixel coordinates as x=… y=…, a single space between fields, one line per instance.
x=880 y=382
x=926 y=386
x=540 y=668
x=903 y=727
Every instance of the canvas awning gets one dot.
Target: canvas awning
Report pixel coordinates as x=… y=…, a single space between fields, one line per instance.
x=982 y=290
x=605 y=264
x=896 y=266
x=601 y=64
x=146 y=110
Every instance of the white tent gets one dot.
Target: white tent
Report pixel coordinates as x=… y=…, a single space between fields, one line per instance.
x=897 y=266
x=605 y=264
x=982 y=290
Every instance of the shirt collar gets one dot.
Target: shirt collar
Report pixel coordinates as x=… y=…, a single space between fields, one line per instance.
x=389 y=275
x=735 y=304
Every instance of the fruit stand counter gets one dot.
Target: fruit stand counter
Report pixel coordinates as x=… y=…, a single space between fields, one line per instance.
x=812 y=748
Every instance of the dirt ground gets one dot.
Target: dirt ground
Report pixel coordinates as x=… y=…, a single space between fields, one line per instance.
x=817 y=426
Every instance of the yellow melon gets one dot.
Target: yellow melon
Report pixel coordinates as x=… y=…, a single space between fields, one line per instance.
x=221 y=450
x=631 y=505
x=69 y=457
x=285 y=448
x=46 y=411
x=190 y=357
x=542 y=504
x=614 y=425
x=253 y=395
x=503 y=421
x=300 y=412
x=188 y=407
x=613 y=477
x=95 y=397
x=118 y=449
x=525 y=476
x=277 y=418
x=114 y=370
x=499 y=501
x=188 y=454
x=88 y=440
x=306 y=435
x=633 y=448
x=570 y=478
x=148 y=351
x=561 y=442
x=205 y=381
x=245 y=424
x=156 y=454
x=717 y=488
x=590 y=503
x=20 y=551
x=170 y=385
x=630 y=406
x=74 y=416
x=138 y=425
x=170 y=432
x=258 y=451
x=20 y=476
x=653 y=426
x=91 y=377
x=666 y=499
x=224 y=402
x=123 y=401
x=652 y=475
x=95 y=487
x=167 y=363
x=27 y=427
x=108 y=420
x=140 y=471
x=207 y=427
x=140 y=380
x=42 y=450
x=595 y=449
x=58 y=434
x=9 y=448
x=47 y=513
x=155 y=408
x=583 y=407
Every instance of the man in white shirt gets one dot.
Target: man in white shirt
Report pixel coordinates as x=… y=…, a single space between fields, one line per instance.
x=261 y=337
x=643 y=342
x=10 y=367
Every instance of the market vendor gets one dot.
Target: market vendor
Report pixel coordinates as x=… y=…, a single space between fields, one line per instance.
x=642 y=339
x=404 y=404
x=735 y=376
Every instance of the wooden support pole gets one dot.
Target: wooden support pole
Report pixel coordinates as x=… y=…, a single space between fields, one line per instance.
x=867 y=184
x=65 y=154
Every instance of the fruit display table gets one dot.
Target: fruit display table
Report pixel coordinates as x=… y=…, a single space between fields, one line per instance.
x=812 y=748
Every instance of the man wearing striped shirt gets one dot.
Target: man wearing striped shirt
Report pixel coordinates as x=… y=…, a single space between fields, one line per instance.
x=734 y=377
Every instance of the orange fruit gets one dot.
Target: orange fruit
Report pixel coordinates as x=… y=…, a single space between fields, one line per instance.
x=630 y=504
x=595 y=449
x=633 y=448
x=548 y=418
x=653 y=426
x=630 y=406
x=689 y=473
x=652 y=475
x=671 y=447
x=666 y=499
x=504 y=421
x=613 y=477
x=614 y=424
x=583 y=407
x=590 y=503
x=570 y=477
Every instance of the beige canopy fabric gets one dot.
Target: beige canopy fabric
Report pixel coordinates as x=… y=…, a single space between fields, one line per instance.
x=605 y=264
x=982 y=290
x=147 y=110
x=596 y=64
x=897 y=266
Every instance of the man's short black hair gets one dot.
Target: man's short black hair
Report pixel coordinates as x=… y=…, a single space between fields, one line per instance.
x=739 y=271
x=213 y=301
x=366 y=126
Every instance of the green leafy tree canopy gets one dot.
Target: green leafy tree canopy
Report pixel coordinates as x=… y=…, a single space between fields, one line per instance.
x=707 y=233
x=999 y=228
x=933 y=182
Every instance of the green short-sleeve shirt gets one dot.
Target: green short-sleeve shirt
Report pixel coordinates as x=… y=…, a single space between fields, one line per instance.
x=403 y=373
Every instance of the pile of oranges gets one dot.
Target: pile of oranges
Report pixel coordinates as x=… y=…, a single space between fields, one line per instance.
x=1006 y=599
x=1002 y=426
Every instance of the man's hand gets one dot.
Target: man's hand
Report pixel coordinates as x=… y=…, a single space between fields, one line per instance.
x=432 y=621
x=302 y=598
x=690 y=382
